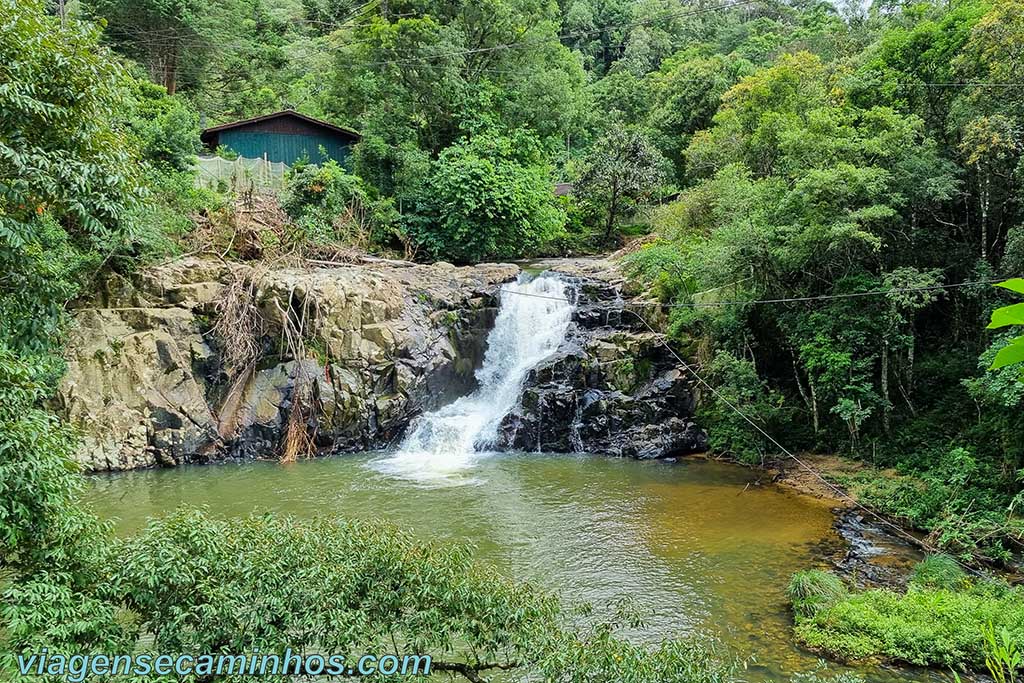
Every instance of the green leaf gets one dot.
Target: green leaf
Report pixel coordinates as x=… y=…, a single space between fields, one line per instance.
x=1010 y=354
x=1013 y=284
x=1007 y=315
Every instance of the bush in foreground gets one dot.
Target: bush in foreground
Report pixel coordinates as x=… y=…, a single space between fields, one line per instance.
x=191 y=584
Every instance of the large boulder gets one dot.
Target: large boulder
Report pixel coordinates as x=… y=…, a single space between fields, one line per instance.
x=147 y=383
x=613 y=387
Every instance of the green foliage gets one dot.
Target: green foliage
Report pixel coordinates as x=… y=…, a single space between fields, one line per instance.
x=922 y=626
x=166 y=127
x=38 y=480
x=485 y=198
x=825 y=172
x=224 y=54
x=195 y=584
x=960 y=498
x=623 y=171
x=738 y=386
x=939 y=571
x=1013 y=352
x=62 y=152
x=813 y=590
x=1004 y=656
x=659 y=264
x=40 y=278
x=69 y=183
x=325 y=202
x=162 y=224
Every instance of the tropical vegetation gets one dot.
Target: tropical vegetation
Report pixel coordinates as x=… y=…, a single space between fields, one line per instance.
x=944 y=618
x=826 y=194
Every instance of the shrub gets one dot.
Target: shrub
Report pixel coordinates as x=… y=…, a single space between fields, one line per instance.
x=661 y=266
x=924 y=626
x=813 y=589
x=166 y=128
x=158 y=226
x=738 y=384
x=332 y=206
x=939 y=571
x=488 y=197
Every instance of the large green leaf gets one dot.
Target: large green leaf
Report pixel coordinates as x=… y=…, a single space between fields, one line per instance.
x=1010 y=354
x=1013 y=284
x=1007 y=315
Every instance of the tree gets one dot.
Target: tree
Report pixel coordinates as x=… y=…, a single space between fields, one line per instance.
x=992 y=147
x=67 y=173
x=166 y=127
x=174 y=39
x=487 y=197
x=418 y=84
x=622 y=170
x=688 y=90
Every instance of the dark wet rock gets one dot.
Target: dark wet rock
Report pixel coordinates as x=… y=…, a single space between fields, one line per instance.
x=611 y=388
x=872 y=557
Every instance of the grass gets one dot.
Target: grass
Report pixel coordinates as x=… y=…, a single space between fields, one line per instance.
x=813 y=590
x=941 y=620
x=940 y=571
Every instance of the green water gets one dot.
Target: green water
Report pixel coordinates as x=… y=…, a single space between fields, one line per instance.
x=701 y=552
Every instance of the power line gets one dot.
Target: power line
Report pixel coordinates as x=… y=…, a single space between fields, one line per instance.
x=837 y=490
x=810 y=470
x=824 y=297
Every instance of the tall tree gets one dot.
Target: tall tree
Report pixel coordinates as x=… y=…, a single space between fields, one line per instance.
x=623 y=170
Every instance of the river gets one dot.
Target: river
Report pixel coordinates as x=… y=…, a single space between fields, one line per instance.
x=701 y=547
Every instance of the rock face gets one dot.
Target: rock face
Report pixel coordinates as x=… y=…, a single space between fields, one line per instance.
x=612 y=387
x=147 y=383
x=150 y=379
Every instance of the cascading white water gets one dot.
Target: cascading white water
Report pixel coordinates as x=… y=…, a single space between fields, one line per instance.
x=532 y=321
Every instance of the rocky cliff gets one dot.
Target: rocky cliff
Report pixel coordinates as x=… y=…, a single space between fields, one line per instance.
x=612 y=387
x=149 y=382
x=200 y=359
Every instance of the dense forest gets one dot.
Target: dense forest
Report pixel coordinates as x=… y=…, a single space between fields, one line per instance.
x=821 y=196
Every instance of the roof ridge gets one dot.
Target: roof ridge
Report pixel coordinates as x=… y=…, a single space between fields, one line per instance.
x=276 y=114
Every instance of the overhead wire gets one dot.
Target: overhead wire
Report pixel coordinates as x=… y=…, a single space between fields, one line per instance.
x=797 y=299
x=837 y=490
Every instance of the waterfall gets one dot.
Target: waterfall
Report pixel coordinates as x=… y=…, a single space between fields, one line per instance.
x=532 y=321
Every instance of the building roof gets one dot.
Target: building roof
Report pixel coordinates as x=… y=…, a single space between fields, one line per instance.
x=563 y=189
x=279 y=114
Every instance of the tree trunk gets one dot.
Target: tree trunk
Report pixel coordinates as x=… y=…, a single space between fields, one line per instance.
x=613 y=206
x=984 y=214
x=803 y=394
x=886 y=404
x=171 y=72
x=814 y=404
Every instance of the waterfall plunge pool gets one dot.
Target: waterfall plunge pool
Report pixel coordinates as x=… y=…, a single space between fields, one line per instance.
x=699 y=550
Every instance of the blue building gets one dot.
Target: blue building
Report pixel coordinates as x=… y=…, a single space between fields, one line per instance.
x=284 y=136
